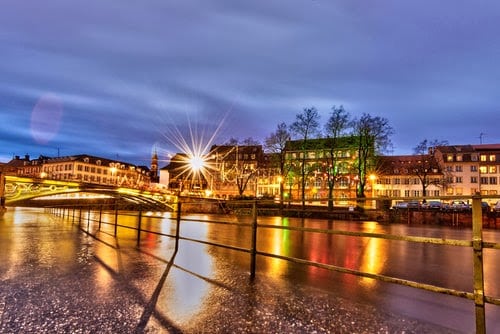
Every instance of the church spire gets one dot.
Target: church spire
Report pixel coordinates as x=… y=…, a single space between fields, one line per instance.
x=154 y=167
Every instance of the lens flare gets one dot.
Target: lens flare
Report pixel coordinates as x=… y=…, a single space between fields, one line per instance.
x=46 y=118
x=194 y=159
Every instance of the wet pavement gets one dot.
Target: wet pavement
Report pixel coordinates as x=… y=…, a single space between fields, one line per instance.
x=54 y=278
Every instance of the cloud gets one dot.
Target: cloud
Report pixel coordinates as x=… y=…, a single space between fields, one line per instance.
x=126 y=73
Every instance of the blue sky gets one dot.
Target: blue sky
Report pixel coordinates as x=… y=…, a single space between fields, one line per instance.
x=119 y=78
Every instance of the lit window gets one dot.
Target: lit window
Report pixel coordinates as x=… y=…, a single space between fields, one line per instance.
x=492 y=157
x=449 y=157
x=483 y=157
x=483 y=169
x=459 y=157
x=493 y=169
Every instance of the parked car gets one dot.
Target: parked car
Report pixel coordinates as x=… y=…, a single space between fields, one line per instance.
x=459 y=206
x=400 y=205
x=413 y=205
x=432 y=205
x=485 y=207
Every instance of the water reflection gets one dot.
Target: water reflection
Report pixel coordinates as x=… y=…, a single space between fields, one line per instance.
x=280 y=246
x=184 y=287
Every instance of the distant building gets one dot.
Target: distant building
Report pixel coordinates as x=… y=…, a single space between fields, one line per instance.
x=81 y=168
x=316 y=154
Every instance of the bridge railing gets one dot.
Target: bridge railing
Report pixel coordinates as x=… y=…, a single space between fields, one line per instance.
x=91 y=220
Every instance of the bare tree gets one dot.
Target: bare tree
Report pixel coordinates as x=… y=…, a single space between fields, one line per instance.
x=335 y=127
x=250 y=141
x=276 y=143
x=373 y=137
x=427 y=163
x=306 y=126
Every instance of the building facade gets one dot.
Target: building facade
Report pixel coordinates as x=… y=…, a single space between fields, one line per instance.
x=81 y=168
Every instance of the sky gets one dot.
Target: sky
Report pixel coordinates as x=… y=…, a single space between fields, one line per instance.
x=122 y=79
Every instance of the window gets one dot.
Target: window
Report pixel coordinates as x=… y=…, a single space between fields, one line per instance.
x=492 y=169
x=473 y=157
x=473 y=168
x=407 y=193
x=484 y=180
x=493 y=180
x=344 y=182
x=458 y=169
x=459 y=157
x=483 y=169
x=492 y=157
x=397 y=181
x=473 y=179
x=459 y=191
x=482 y=157
x=458 y=179
x=317 y=183
x=449 y=169
x=449 y=157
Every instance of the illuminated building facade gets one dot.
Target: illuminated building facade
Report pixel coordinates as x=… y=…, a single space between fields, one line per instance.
x=321 y=161
x=82 y=168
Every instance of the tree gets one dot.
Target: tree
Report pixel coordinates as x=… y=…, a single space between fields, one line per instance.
x=250 y=141
x=372 y=134
x=305 y=126
x=276 y=143
x=335 y=127
x=427 y=163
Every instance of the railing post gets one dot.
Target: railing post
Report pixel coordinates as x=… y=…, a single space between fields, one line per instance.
x=80 y=217
x=139 y=228
x=253 y=251
x=88 y=220
x=177 y=228
x=100 y=217
x=477 y=244
x=116 y=220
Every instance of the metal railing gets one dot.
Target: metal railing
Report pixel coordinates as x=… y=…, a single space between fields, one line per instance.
x=82 y=216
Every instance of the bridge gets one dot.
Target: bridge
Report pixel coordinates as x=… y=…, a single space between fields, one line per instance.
x=19 y=190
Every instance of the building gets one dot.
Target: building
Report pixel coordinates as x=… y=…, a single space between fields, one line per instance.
x=472 y=169
x=323 y=163
x=234 y=170
x=81 y=168
x=408 y=176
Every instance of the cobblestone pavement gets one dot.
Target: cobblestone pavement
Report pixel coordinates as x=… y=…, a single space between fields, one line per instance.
x=56 y=279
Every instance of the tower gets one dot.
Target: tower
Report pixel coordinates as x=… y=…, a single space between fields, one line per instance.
x=154 y=168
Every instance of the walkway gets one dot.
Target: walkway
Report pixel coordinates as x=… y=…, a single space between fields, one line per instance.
x=56 y=279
